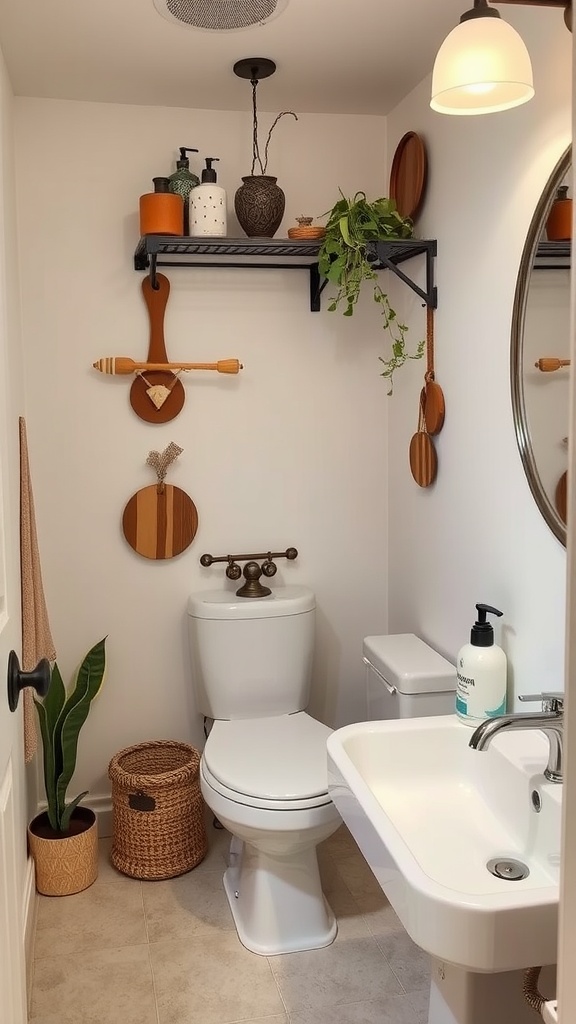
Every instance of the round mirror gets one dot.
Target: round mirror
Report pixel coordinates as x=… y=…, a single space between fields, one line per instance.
x=540 y=349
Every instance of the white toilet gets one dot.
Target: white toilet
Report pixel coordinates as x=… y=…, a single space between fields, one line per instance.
x=263 y=771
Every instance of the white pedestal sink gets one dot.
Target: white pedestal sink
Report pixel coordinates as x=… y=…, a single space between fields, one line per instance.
x=429 y=813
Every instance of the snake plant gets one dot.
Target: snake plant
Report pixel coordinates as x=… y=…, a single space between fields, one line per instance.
x=344 y=260
x=61 y=716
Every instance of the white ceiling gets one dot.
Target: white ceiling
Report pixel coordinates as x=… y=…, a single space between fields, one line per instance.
x=332 y=56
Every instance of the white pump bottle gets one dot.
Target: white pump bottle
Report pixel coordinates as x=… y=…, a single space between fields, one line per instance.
x=207 y=205
x=481 y=668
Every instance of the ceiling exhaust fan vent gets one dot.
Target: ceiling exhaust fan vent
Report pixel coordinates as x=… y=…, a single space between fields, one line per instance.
x=220 y=15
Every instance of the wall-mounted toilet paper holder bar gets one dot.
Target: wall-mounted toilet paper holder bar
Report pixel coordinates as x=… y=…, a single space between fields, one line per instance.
x=252 y=571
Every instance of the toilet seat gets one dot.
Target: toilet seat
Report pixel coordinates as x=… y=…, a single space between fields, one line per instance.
x=277 y=763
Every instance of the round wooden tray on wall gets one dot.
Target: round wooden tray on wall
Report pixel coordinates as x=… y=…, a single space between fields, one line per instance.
x=423 y=459
x=160 y=522
x=408 y=175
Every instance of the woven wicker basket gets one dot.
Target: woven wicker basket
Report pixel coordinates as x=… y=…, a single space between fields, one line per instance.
x=158 y=810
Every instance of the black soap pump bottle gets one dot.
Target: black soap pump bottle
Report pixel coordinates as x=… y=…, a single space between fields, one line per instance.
x=207 y=215
x=182 y=181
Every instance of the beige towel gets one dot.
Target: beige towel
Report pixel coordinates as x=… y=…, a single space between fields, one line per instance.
x=37 y=640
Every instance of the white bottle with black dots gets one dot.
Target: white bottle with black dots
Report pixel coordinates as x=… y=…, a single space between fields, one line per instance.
x=481 y=669
x=207 y=205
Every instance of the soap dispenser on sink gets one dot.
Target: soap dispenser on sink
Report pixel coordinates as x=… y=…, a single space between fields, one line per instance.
x=482 y=666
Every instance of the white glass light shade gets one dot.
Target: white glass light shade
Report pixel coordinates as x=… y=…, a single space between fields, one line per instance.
x=481 y=67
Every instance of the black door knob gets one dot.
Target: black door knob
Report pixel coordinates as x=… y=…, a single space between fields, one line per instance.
x=39 y=678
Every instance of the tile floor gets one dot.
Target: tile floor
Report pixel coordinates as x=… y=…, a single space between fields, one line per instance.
x=130 y=952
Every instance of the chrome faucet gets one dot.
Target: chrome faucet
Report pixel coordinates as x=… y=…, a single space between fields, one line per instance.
x=550 y=720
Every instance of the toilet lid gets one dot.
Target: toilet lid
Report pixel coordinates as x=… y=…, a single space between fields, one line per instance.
x=282 y=758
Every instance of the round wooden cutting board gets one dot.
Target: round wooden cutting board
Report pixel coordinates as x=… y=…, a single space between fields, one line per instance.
x=423 y=459
x=408 y=175
x=160 y=522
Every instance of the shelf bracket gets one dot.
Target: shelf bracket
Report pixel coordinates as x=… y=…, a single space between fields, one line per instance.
x=389 y=259
x=317 y=286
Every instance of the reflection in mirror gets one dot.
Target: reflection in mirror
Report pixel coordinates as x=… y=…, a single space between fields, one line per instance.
x=540 y=351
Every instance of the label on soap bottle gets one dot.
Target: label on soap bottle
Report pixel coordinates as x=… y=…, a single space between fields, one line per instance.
x=481 y=683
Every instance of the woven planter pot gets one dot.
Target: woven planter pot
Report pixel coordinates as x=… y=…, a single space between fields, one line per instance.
x=65 y=864
x=157 y=809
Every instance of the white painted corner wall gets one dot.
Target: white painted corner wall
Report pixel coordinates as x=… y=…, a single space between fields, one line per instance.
x=476 y=534
x=291 y=452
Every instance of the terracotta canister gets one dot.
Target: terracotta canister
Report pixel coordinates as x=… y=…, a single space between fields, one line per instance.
x=161 y=211
x=559 y=223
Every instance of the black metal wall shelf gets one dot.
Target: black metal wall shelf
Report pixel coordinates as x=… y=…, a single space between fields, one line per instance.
x=553 y=256
x=284 y=253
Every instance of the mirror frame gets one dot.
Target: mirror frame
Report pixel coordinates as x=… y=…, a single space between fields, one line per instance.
x=525 y=271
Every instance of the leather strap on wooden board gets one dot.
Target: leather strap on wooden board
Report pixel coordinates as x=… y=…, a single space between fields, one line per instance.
x=429 y=375
x=434 y=406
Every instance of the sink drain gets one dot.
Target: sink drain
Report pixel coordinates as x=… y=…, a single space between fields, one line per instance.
x=508 y=868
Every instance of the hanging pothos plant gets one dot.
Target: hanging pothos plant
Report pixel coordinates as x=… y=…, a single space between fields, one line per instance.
x=344 y=261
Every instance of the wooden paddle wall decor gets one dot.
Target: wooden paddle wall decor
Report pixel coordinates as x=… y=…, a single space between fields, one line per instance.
x=422 y=453
x=156 y=394
x=160 y=521
x=431 y=411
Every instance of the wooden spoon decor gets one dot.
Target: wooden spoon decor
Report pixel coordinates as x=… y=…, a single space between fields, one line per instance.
x=160 y=521
x=156 y=394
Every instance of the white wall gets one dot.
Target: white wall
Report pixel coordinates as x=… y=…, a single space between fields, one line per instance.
x=476 y=534
x=290 y=452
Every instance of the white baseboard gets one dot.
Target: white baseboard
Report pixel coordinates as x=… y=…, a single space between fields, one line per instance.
x=29 y=914
x=102 y=807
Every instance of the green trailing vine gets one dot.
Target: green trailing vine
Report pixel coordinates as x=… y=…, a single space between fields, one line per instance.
x=343 y=260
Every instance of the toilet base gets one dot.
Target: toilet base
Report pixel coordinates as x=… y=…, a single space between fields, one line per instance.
x=277 y=902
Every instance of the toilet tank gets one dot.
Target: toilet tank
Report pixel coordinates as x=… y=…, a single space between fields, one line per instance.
x=251 y=657
x=405 y=678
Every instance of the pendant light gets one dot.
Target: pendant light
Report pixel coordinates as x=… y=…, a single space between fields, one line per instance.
x=482 y=66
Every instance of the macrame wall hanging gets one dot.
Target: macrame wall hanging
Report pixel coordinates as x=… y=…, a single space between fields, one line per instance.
x=156 y=394
x=160 y=521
